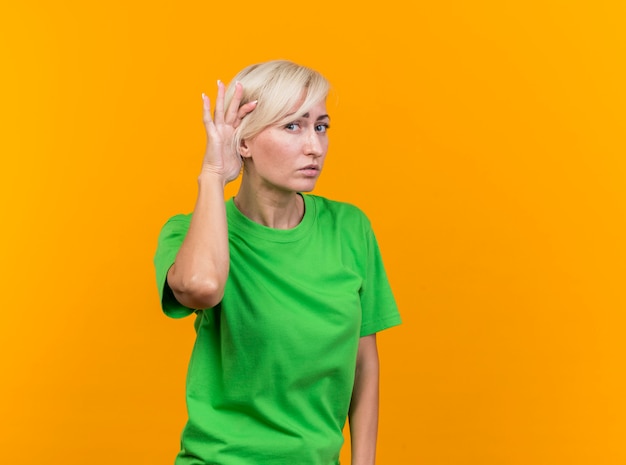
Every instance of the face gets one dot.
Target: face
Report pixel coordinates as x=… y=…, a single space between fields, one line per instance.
x=289 y=158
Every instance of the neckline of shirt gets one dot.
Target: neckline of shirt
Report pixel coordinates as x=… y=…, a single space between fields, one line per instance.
x=238 y=222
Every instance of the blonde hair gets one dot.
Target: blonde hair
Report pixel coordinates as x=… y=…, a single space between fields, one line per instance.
x=278 y=86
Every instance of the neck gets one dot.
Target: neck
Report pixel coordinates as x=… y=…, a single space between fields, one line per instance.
x=278 y=210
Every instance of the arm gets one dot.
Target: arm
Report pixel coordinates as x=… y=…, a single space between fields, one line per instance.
x=364 y=405
x=198 y=275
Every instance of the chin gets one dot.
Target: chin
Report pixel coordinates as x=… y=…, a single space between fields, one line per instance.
x=306 y=186
x=297 y=185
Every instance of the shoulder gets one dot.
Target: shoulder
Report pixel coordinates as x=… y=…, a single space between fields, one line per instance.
x=176 y=224
x=342 y=211
x=179 y=219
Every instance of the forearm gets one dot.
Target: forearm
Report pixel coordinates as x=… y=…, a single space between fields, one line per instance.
x=364 y=406
x=199 y=273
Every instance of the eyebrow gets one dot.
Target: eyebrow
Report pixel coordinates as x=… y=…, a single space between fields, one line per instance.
x=306 y=115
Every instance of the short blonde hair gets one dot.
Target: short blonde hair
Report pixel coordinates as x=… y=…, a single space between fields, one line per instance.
x=278 y=86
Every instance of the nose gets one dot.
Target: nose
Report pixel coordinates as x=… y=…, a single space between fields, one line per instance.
x=313 y=144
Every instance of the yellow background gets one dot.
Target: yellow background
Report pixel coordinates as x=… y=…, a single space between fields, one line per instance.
x=485 y=140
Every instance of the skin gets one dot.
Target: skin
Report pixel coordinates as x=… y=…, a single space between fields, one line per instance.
x=279 y=162
x=364 y=406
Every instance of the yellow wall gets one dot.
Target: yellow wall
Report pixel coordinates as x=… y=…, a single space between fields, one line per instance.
x=485 y=140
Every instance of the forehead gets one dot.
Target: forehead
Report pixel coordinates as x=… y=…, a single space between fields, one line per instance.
x=314 y=111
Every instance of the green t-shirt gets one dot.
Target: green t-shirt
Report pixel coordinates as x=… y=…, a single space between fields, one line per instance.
x=272 y=370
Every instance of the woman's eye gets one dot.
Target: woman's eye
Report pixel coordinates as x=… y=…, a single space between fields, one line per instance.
x=292 y=126
x=322 y=127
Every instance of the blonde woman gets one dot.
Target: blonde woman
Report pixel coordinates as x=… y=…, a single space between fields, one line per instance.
x=288 y=289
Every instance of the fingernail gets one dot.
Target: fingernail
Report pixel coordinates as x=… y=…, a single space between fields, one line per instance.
x=254 y=101
x=218 y=82
x=203 y=96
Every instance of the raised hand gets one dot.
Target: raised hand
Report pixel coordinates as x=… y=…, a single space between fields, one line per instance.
x=221 y=156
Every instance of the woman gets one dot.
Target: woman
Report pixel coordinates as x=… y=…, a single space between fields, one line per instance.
x=288 y=289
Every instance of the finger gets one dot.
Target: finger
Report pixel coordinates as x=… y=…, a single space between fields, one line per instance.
x=219 y=103
x=206 y=110
x=209 y=126
x=233 y=107
x=243 y=111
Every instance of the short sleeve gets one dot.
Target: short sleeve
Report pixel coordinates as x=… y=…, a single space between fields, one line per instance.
x=170 y=239
x=378 y=306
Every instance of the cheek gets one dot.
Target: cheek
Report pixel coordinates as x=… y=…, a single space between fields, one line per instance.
x=275 y=147
x=281 y=150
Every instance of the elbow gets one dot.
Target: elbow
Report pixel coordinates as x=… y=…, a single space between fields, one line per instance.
x=198 y=293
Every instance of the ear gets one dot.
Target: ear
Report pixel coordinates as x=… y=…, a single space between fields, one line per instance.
x=244 y=149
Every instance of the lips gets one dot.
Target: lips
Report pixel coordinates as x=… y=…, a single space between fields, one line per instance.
x=310 y=171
